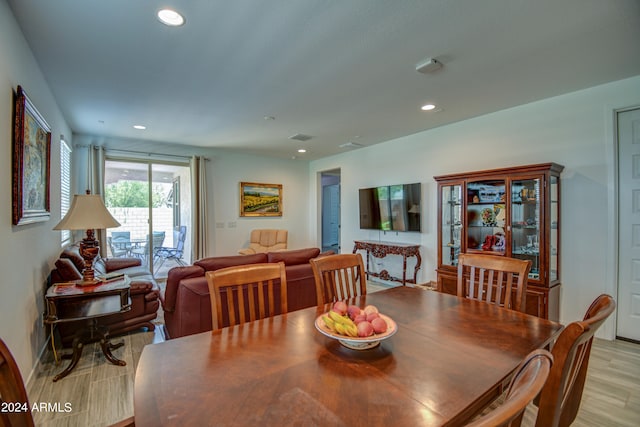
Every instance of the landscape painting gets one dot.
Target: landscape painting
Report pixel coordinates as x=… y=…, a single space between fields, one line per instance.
x=260 y=199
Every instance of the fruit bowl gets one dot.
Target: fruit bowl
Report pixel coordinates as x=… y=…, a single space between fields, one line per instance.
x=358 y=343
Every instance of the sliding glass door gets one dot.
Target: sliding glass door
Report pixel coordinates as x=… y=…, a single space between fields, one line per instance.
x=151 y=200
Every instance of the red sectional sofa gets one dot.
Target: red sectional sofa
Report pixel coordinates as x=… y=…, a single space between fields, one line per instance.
x=186 y=303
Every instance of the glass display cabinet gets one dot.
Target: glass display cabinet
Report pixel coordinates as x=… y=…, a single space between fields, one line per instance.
x=510 y=212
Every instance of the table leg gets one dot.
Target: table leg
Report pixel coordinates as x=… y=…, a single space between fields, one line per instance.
x=107 y=346
x=78 y=346
x=92 y=334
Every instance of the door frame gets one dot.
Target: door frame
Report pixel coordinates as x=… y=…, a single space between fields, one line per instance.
x=614 y=211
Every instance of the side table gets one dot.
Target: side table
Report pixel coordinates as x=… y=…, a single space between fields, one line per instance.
x=67 y=302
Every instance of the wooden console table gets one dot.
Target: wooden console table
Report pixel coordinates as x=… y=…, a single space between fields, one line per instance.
x=382 y=249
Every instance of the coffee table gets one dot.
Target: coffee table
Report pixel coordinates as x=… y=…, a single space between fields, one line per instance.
x=67 y=302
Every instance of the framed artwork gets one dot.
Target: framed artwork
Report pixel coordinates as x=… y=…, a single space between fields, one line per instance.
x=31 y=163
x=260 y=199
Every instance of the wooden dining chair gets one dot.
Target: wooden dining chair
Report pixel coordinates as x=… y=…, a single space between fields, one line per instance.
x=560 y=398
x=339 y=277
x=234 y=290
x=526 y=383
x=12 y=390
x=494 y=279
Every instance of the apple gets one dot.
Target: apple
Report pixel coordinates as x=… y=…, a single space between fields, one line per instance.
x=370 y=309
x=360 y=318
x=371 y=316
x=353 y=311
x=340 y=307
x=365 y=329
x=379 y=325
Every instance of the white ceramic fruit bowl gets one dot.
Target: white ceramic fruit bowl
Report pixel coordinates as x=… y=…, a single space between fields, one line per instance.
x=357 y=343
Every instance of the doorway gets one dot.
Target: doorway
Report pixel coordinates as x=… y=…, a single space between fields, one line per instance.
x=628 y=321
x=330 y=183
x=151 y=201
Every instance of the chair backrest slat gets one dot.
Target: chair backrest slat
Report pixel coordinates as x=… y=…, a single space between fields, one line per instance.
x=492 y=279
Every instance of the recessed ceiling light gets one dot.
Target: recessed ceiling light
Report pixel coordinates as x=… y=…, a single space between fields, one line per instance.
x=302 y=150
x=170 y=17
x=140 y=127
x=428 y=107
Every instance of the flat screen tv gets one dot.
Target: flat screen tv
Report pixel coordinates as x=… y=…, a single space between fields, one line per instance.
x=391 y=207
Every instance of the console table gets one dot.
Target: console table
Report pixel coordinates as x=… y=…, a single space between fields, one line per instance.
x=382 y=249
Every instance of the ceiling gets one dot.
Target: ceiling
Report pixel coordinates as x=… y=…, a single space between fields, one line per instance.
x=248 y=74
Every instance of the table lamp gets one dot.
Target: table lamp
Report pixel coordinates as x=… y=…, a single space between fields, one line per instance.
x=87 y=212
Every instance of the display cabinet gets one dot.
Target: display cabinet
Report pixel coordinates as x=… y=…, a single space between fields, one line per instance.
x=512 y=212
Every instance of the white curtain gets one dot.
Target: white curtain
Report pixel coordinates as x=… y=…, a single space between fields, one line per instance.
x=199 y=208
x=95 y=184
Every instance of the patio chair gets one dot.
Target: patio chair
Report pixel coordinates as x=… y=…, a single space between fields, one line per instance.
x=163 y=253
x=144 y=251
x=119 y=243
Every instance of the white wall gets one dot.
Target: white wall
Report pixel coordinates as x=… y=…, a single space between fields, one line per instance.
x=228 y=232
x=575 y=130
x=29 y=250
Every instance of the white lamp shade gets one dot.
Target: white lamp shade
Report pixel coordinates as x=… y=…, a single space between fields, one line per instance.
x=87 y=212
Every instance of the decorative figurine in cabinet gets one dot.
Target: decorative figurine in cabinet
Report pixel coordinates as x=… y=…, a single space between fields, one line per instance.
x=512 y=212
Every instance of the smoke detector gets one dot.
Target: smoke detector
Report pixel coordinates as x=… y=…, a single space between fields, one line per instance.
x=429 y=65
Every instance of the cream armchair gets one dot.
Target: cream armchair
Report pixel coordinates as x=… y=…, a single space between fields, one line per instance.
x=266 y=241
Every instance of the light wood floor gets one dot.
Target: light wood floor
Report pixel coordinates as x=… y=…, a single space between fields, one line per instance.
x=100 y=393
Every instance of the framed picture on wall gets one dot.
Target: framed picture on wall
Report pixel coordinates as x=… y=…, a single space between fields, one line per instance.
x=260 y=199
x=31 y=163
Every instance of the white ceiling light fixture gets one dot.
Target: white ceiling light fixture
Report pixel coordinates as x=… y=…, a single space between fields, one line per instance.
x=139 y=127
x=428 y=107
x=302 y=150
x=170 y=17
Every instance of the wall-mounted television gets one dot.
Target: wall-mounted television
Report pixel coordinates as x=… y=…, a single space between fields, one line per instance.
x=391 y=207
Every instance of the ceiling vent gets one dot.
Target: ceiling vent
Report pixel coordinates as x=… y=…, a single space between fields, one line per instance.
x=429 y=65
x=300 y=137
x=350 y=145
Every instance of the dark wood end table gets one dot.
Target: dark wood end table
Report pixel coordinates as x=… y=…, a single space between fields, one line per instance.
x=68 y=303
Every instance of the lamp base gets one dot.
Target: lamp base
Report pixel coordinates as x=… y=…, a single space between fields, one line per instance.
x=92 y=282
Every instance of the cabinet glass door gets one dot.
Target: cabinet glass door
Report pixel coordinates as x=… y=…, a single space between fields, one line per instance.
x=486 y=217
x=451 y=223
x=525 y=222
x=553 y=244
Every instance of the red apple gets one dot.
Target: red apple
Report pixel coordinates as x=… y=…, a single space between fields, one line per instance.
x=340 y=307
x=365 y=329
x=360 y=318
x=371 y=316
x=353 y=311
x=379 y=325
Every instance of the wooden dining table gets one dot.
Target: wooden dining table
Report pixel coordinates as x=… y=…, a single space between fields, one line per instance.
x=448 y=359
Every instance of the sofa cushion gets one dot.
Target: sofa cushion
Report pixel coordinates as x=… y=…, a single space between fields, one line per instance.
x=67 y=269
x=216 y=263
x=294 y=257
x=72 y=252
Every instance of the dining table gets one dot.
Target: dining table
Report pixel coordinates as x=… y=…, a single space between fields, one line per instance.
x=449 y=358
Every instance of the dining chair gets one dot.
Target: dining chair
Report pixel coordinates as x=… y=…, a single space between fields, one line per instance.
x=560 y=398
x=234 y=290
x=526 y=383
x=339 y=277
x=494 y=279
x=12 y=390
x=148 y=248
